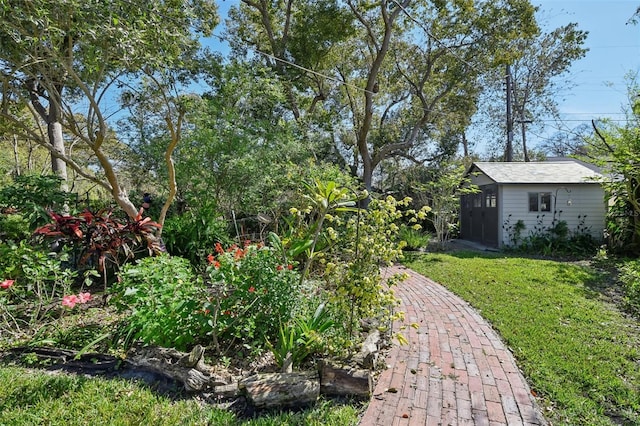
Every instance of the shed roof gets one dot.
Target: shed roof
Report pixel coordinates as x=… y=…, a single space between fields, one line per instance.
x=544 y=172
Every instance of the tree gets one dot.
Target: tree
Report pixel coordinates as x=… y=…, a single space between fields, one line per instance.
x=69 y=59
x=567 y=143
x=395 y=75
x=535 y=83
x=443 y=192
x=616 y=149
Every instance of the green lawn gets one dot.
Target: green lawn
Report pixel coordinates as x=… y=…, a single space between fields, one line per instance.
x=29 y=397
x=580 y=354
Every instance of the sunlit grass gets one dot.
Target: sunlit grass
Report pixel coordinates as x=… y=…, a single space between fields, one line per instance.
x=29 y=397
x=580 y=354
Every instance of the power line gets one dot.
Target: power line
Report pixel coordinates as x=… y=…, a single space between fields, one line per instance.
x=300 y=67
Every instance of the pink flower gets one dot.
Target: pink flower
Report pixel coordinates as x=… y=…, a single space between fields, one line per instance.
x=84 y=297
x=252 y=289
x=6 y=284
x=70 y=301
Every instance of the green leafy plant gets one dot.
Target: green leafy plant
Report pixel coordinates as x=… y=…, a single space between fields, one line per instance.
x=14 y=227
x=163 y=298
x=514 y=230
x=444 y=191
x=192 y=234
x=557 y=239
x=630 y=277
x=324 y=198
x=302 y=337
x=414 y=238
x=362 y=242
x=37 y=280
x=32 y=196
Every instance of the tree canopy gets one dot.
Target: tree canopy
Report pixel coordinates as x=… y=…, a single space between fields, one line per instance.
x=66 y=59
x=398 y=78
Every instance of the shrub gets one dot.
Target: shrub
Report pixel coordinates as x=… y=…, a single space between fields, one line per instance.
x=514 y=231
x=351 y=245
x=14 y=227
x=99 y=240
x=192 y=234
x=33 y=196
x=38 y=281
x=253 y=294
x=362 y=243
x=630 y=277
x=414 y=238
x=558 y=239
x=164 y=299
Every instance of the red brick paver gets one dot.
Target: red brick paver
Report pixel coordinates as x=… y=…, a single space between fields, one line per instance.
x=454 y=371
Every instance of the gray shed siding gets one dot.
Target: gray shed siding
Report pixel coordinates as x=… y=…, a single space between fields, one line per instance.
x=586 y=199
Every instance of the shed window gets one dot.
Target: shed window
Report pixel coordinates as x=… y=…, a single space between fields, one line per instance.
x=539 y=201
x=490 y=198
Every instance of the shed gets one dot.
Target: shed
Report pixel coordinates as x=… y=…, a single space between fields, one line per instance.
x=537 y=193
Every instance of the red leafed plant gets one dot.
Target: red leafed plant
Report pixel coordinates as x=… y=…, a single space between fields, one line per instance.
x=101 y=237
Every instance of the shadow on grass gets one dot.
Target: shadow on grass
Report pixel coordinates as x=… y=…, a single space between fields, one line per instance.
x=92 y=365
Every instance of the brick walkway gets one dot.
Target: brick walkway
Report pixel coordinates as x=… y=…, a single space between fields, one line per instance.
x=454 y=371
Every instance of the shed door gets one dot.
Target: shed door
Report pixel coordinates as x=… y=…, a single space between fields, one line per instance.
x=466 y=213
x=479 y=216
x=490 y=215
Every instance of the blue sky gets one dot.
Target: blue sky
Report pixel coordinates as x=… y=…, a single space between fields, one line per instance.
x=614 y=50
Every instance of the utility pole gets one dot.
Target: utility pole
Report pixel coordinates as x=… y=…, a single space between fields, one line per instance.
x=508 y=155
x=523 y=123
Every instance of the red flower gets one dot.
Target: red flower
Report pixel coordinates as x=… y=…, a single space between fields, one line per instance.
x=290 y=267
x=216 y=264
x=6 y=284
x=239 y=254
x=279 y=267
x=218 y=248
x=252 y=289
x=211 y=258
x=247 y=243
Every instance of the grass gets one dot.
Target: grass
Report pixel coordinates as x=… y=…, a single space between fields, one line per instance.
x=29 y=397
x=580 y=354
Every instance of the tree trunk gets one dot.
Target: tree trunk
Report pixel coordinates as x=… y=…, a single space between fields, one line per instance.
x=15 y=155
x=340 y=381
x=465 y=145
x=524 y=141
x=59 y=167
x=289 y=390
